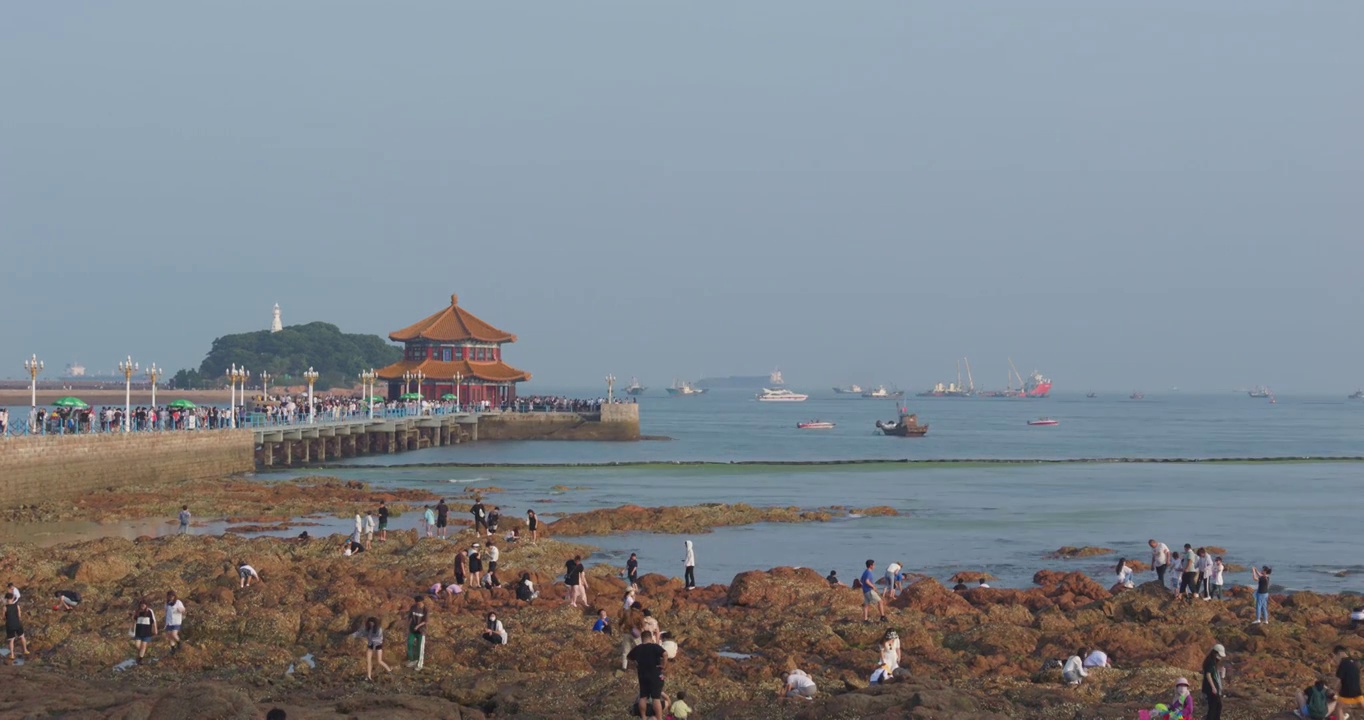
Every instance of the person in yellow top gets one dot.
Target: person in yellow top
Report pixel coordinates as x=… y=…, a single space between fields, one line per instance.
x=680 y=709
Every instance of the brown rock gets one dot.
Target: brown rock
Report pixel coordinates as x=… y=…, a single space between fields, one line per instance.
x=1069 y=552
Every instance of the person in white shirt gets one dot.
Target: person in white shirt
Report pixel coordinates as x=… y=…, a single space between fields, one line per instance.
x=15 y=592
x=174 y=617
x=1217 y=569
x=359 y=526
x=1074 y=670
x=893 y=579
x=798 y=685
x=247 y=574
x=1124 y=573
x=889 y=660
x=370 y=526
x=1203 y=564
x=1160 y=559
x=1098 y=658
x=494 y=632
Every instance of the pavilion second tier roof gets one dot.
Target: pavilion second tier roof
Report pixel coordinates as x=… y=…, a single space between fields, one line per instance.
x=439 y=371
x=452 y=324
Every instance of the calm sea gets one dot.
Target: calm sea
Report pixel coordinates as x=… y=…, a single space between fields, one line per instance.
x=1302 y=518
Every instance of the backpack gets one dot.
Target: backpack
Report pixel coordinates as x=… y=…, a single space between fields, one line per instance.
x=1316 y=702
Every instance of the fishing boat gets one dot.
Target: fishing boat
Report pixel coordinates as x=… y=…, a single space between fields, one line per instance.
x=955 y=389
x=780 y=395
x=634 y=388
x=1357 y=395
x=1036 y=386
x=1136 y=395
x=815 y=425
x=880 y=392
x=684 y=388
x=1044 y=421
x=1091 y=396
x=907 y=426
x=1259 y=391
x=848 y=390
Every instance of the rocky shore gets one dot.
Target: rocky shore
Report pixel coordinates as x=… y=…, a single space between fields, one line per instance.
x=978 y=653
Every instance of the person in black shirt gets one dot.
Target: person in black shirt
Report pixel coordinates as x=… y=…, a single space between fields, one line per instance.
x=572 y=576
x=632 y=569
x=533 y=525
x=1347 y=672
x=416 y=633
x=14 y=625
x=1212 y=681
x=442 y=517
x=651 y=660
x=383 y=521
x=67 y=600
x=494 y=518
x=480 y=518
x=144 y=628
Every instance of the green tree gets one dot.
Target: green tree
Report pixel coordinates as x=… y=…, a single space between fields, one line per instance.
x=336 y=356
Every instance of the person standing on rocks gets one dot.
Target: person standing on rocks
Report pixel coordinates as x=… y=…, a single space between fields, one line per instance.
x=428 y=521
x=493 y=554
x=1204 y=574
x=651 y=662
x=533 y=524
x=442 y=518
x=184 y=519
x=1261 y=594
x=1188 y=579
x=572 y=577
x=480 y=517
x=1347 y=672
x=632 y=570
x=893 y=579
x=1212 y=681
x=869 y=595
x=475 y=568
x=359 y=535
x=374 y=646
x=14 y=625
x=144 y=628
x=1160 y=559
x=1219 y=569
x=383 y=521
x=174 y=617
x=247 y=574
x=689 y=566
x=581 y=587
x=370 y=526
x=461 y=566
x=416 y=633
x=494 y=518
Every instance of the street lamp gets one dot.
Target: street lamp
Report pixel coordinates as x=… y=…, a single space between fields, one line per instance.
x=419 y=376
x=610 y=387
x=153 y=374
x=265 y=385
x=367 y=387
x=311 y=376
x=34 y=366
x=407 y=381
x=127 y=367
x=236 y=375
x=458 y=377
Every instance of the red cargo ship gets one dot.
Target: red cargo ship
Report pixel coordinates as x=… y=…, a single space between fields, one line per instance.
x=1036 y=386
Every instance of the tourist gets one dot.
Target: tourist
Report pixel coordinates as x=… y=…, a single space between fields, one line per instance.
x=1212 y=681
x=1347 y=672
x=632 y=570
x=1074 y=669
x=1188 y=579
x=1182 y=704
x=14 y=626
x=359 y=527
x=650 y=663
x=374 y=647
x=480 y=517
x=247 y=574
x=572 y=576
x=797 y=684
x=352 y=547
x=886 y=663
x=383 y=521
x=525 y=590
x=1261 y=577
x=370 y=526
x=869 y=595
x=442 y=518
x=649 y=625
x=493 y=554
x=1218 y=570
x=416 y=633
x=680 y=709
x=1176 y=573
x=892 y=579
x=276 y=714
x=494 y=632
x=144 y=628
x=184 y=519
x=174 y=617
x=494 y=518
x=461 y=566
x=1316 y=702
x=629 y=600
x=832 y=579
x=533 y=524
x=1204 y=567
x=960 y=587
x=603 y=623
x=491 y=580
x=1124 y=573
x=428 y=521
x=631 y=637
x=1160 y=559
x=475 y=567
x=1357 y=618
x=1097 y=658
x=67 y=600
x=513 y=535
x=982 y=584
x=13 y=590
x=689 y=566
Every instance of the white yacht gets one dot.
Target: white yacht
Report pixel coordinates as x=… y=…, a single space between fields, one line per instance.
x=781 y=395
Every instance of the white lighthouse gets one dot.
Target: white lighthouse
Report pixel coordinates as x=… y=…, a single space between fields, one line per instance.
x=275 y=324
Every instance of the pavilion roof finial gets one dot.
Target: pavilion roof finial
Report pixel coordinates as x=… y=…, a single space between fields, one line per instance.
x=454 y=299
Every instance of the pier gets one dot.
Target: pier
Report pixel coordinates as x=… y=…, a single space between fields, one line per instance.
x=304 y=444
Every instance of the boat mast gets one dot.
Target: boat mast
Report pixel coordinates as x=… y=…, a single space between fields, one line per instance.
x=970 y=382
x=1015 y=371
x=959 y=374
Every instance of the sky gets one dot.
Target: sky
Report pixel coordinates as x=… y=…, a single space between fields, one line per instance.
x=1121 y=195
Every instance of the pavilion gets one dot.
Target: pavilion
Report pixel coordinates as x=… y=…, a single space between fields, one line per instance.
x=455 y=353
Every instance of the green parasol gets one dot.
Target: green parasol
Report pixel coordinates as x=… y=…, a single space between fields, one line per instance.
x=182 y=405
x=71 y=402
x=448 y=396
x=410 y=396
x=376 y=399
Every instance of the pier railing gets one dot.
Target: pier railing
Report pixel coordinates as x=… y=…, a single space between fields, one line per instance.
x=54 y=424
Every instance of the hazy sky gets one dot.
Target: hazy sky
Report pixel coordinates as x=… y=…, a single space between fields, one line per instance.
x=1122 y=195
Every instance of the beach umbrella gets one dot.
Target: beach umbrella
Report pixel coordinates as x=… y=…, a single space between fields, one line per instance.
x=376 y=399
x=71 y=402
x=410 y=396
x=448 y=396
x=182 y=405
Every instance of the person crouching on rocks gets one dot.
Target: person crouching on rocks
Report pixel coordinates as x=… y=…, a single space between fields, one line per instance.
x=1074 y=670
x=247 y=574
x=797 y=684
x=494 y=632
x=525 y=589
x=889 y=660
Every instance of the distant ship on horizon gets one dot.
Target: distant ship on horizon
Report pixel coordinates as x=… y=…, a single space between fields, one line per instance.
x=634 y=388
x=742 y=382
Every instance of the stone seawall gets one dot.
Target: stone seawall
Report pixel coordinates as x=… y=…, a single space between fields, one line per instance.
x=615 y=423
x=45 y=467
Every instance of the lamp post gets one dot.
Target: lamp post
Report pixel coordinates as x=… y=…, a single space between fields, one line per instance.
x=265 y=385
x=231 y=374
x=418 y=377
x=127 y=367
x=311 y=376
x=458 y=377
x=153 y=374
x=34 y=366
x=610 y=387
x=367 y=387
x=407 y=381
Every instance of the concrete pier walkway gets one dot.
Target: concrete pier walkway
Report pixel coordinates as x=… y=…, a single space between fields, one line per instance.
x=307 y=443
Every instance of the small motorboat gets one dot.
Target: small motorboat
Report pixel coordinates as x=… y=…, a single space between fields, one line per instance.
x=815 y=425
x=1044 y=421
